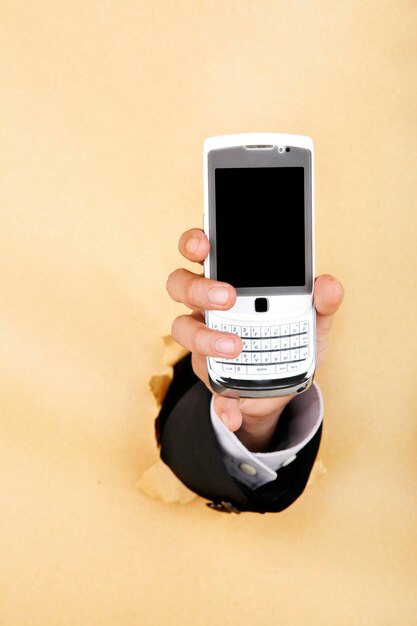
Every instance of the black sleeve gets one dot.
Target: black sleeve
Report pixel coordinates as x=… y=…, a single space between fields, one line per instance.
x=188 y=445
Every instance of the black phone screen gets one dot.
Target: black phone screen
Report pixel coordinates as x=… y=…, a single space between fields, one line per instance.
x=260 y=228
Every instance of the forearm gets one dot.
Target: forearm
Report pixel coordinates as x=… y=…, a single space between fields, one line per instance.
x=204 y=458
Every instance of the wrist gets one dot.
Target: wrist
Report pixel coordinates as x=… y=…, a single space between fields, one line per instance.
x=256 y=432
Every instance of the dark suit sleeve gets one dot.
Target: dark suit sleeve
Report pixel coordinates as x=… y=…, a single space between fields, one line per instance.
x=189 y=447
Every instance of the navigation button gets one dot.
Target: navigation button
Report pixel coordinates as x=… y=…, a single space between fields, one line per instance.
x=261 y=305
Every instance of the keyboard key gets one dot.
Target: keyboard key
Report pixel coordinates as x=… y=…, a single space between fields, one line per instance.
x=285 y=343
x=285 y=356
x=263 y=369
x=256 y=357
x=295 y=341
x=303 y=353
x=226 y=328
x=294 y=355
x=230 y=369
x=265 y=344
x=303 y=340
x=241 y=369
x=293 y=367
x=255 y=331
x=256 y=344
x=216 y=326
x=266 y=357
x=294 y=328
x=275 y=344
x=236 y=330
x=304 y=327
x=246 y=357
x=246 y=344
x=275 y=332
x=245 y=331
x=276 y=357
x=265 y=331
x=285 y=329
x=281 y=369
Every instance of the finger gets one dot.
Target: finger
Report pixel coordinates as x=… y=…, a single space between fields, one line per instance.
x=328 y=296
x=229 y=412
x=196 y=337
x=194 y=245
x=199 y=363
x=198 y=292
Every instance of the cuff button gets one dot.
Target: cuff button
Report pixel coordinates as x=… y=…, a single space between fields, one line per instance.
x=248 y=469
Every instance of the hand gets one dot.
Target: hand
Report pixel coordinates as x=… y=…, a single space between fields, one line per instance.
x=255 y=419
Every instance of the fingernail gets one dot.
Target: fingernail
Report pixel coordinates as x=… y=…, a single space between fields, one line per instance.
x=192 y=245
x=225 y=419
x=224 y=345
x=218 y=295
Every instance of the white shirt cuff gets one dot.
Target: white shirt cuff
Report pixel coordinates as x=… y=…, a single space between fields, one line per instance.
x=255 y=469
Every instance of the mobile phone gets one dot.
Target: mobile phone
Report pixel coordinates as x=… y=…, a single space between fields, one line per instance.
x=259 y=219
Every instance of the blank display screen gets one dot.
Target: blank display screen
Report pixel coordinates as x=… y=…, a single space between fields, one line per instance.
x=260 y=226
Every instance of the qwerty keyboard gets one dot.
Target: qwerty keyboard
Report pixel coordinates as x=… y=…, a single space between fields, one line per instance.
x=267 y=349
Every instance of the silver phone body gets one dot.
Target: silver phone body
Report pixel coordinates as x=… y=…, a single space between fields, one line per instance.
x=271 y=198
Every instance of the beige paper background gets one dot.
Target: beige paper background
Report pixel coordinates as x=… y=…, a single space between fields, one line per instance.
x=104 y=109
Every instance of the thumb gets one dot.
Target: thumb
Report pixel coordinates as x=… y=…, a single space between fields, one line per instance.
x=328 y=296
x=229 y=412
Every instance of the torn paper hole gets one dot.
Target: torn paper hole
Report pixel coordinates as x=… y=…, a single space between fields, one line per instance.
x=158 y=481
x=173 y=351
